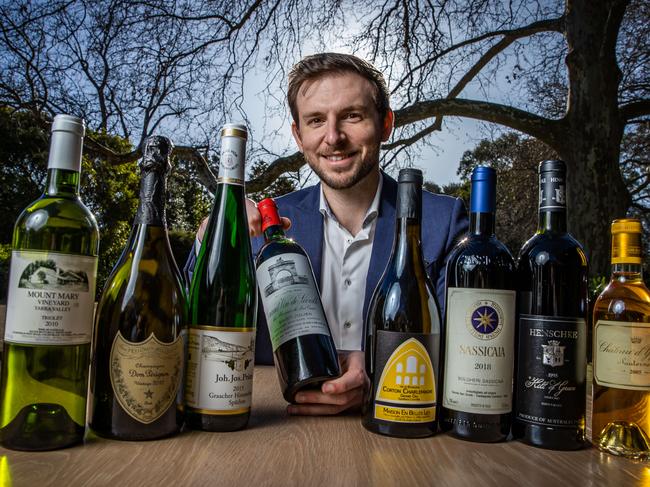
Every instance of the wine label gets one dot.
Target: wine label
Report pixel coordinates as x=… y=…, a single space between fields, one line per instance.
x=552 y=191
x=231 y=160
x=622 y=355
x=551 y=370
x=51 y=298
x=290 y=299
x=405 y=377
x=146 y=376
x=220 y=362
x=479 y=357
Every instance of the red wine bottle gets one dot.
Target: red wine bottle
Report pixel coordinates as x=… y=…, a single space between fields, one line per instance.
x=305 y=355
x=549 y=407
x=480 y=325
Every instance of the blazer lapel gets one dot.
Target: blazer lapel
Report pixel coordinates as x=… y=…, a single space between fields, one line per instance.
x=309 y=229
x=384 y=235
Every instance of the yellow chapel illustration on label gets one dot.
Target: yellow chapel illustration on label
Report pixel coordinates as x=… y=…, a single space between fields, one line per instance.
x=407 y=380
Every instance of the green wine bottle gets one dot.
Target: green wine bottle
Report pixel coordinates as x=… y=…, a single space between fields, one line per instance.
x=138 y=354
x=223 y=304
x=50 y=306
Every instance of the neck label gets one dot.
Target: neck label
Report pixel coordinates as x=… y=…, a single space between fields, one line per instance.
x=552 y=192
x=231 y=161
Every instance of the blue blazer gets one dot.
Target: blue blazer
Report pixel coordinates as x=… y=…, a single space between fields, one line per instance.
x=444 y=221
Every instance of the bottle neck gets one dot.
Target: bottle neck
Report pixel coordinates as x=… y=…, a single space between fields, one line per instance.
x=551 y=221
x=273 y=232
x=151 y=208
x=406 y=248
x=62 y=182
x=482 y=224
x=627 y=272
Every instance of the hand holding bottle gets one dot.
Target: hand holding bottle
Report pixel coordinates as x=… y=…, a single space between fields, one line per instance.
x=254 y=221
x=338 y=395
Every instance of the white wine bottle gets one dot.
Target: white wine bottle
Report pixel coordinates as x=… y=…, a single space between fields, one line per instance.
x=50 y=306
x=223 y=304
x=403 y=330
x=138 y=354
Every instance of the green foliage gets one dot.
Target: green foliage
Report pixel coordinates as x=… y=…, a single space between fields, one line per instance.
x=516 y=160
x=5 y=255
x=111 y=193
x=282 y=185
x=23 y=161
x=188 y=202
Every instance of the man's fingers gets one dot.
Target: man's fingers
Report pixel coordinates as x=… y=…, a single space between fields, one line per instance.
x=315 y=396
x=354 y=376
x=317 y=403
x=286 y=223
x=254 y=218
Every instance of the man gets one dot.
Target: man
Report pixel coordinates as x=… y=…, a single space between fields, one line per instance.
x=346 y=223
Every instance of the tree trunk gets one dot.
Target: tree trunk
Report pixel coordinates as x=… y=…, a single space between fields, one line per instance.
x=596 y=191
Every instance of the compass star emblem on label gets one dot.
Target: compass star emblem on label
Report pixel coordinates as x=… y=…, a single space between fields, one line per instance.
x=485 y=319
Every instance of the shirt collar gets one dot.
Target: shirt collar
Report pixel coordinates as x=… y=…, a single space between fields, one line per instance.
x=371 y=214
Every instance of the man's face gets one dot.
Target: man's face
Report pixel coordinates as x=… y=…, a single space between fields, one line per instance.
x=340 y=130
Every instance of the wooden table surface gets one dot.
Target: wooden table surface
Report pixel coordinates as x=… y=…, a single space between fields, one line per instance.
x=277 y=449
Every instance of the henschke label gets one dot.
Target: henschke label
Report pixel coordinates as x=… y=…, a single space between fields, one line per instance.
x=290 y=299
x=220 y=362
x=479 y=359
x=551 y=370
x=51 y=298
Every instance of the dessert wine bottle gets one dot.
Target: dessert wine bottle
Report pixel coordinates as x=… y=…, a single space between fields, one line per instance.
x=618 y=400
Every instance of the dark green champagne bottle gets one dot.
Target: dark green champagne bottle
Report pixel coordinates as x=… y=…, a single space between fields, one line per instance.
x=138 y=354
x=50 y=306
x=478 y=348
x=549 y=407
x=403 y=330
x=223 y=303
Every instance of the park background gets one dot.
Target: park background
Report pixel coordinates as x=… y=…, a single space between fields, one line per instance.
x=499 y=83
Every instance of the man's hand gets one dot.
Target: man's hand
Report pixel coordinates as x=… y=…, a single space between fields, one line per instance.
x=254 y=221
x=336 y=395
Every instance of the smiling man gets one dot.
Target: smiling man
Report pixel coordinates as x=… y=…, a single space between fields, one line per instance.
x=346 y=223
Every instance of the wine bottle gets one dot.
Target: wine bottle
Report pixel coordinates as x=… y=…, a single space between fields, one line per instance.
x=303 y=349
x=619 y=399
x=480 y=325
x=403 y=330
x=138 y=352
x=223 y=304
x=50 y=306
x=549 y=407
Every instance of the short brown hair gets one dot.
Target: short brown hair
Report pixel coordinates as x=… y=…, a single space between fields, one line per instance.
x=318 y=65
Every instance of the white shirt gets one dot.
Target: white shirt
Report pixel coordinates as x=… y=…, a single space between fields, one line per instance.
x=344 y=268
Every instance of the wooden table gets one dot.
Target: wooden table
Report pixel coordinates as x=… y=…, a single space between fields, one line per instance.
x=277 y=449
